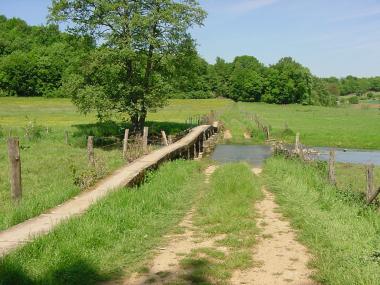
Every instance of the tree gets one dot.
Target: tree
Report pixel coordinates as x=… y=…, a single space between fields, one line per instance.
x=246 y=79
x=219 y=74
x=127 y=74
x=288 y=82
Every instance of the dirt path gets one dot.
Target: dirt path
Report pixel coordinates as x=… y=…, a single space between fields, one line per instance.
x=165 y=267
x=281 y=258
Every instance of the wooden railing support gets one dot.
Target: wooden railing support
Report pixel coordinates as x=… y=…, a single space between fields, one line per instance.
x=15 y=168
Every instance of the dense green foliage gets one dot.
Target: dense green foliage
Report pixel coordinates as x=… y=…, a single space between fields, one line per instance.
x=128 y=73
x=145 y=55
x=352 y=85
x=34 y=60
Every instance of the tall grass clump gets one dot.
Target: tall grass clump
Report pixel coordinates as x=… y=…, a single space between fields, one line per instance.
x=115 y=235
x=341 y=232
x=226 y=210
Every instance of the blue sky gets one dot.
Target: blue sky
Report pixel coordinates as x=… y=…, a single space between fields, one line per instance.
x=331 y=37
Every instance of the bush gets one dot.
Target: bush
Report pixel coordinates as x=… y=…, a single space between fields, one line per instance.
x=354 y=100
x=3 y=93
x=370 y=95
x=33 y=131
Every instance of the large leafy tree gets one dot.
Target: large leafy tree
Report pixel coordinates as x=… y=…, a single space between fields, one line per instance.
x=128 y=72
x=246 y=79
x=288 y=82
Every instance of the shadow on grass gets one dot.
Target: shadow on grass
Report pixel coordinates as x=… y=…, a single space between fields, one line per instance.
x=79 y=271
x=197 y=270
x=111 y=132
x=73 y=271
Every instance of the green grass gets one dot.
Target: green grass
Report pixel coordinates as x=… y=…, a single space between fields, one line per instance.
x=49 y=166
x=226 y=209
x=342 y=234
x=319 y=126
x=16 y=112
x=239 y=123
x=49 y=172
x=116 y=234
x=352 y=177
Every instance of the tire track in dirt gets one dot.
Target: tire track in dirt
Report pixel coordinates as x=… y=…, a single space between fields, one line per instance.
x=280 y=258
x=165 y=266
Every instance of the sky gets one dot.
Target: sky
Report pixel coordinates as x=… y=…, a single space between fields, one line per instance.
x=331 y=37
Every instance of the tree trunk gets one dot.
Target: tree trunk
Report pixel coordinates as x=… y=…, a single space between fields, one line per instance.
x=138 y=123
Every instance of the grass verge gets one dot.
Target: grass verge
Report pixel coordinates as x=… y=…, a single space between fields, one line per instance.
x=227 y=211
x=342 y=233
x=52 y=173
x=115 y=234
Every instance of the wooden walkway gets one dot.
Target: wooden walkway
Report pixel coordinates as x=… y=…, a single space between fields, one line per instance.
x=188 y=147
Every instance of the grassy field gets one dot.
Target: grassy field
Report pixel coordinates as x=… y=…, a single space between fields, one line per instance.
x=113 y=238
x=351 y=178
x=319 y=126
x=16 y=112
x=53 y=171
x=341 y=233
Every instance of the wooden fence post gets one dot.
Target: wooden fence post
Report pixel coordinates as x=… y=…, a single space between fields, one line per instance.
x=371 y=192
x=66 y=137
x=267 y=132
x=332 y=177
x=125 y=143
x=15 y=168
x=90 y=150
x=164 y=138
x=297 y=143
x=145 y=139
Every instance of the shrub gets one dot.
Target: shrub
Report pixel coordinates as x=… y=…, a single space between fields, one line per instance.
x=32 y=130
x=354 y=100
x=88 y=177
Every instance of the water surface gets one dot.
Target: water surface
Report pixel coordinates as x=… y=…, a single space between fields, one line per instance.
x=256 y=154
x=253 y=154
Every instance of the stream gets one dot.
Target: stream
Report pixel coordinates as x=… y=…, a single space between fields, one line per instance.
x=256 y=154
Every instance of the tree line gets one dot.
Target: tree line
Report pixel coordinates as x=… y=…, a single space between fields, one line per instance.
x=130 y=56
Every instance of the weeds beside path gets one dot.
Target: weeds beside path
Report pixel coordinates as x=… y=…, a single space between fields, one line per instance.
x=340 y=231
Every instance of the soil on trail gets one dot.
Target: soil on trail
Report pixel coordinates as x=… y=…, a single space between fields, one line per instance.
x=165 y=267
x=279 y=257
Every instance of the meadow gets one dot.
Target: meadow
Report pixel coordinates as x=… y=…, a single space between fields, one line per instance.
x=53 y=171
x=346 y=127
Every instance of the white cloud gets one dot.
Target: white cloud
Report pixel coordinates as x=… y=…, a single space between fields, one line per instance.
x=250 y=5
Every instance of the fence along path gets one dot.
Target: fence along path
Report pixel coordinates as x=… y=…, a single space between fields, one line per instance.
x=187 y=147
